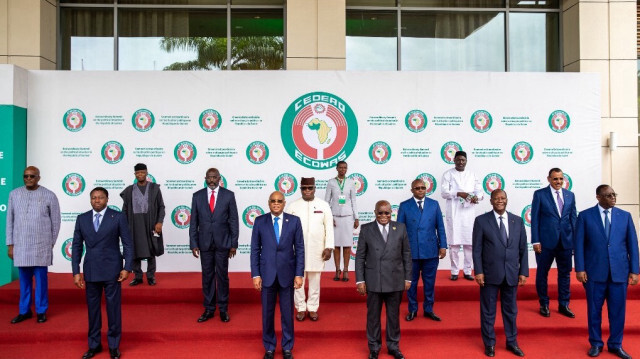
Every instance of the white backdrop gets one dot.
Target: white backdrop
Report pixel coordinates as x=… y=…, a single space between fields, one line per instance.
x=260 y=129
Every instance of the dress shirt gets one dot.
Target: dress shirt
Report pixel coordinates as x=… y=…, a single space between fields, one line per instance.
x=505 y=221
x=209 y=190
x=601 y=210
x=101 y=216
x=273 y=221
x=417 y=204
x=555 y=197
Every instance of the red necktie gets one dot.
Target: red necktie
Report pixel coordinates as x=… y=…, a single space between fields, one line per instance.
x=212 y=201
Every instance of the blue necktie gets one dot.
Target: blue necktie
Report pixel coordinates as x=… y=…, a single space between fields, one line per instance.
x=503 y=232
x=607 y=223
x=96 y=222
x=276 y=228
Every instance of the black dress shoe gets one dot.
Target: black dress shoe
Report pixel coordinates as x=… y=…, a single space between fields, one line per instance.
x=268 y=354
x=224 y=316
x=411 y=316
x=564 y=310
x=286 y=354
x=432 y=316
x=91 y=352
x=135 y=282
x=515 y=350
x=594 y=351
x=22 y=317
x=397 y=354
x=469 y=277
x=373 y=354
x=42 y=317
x=454 y=277
x=152 y=281
x=115 y=353
x=490 y=350
x=208 y=314
x=620 y=353
x=544 y=311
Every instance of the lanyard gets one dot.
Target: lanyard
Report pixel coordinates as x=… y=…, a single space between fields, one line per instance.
x=341 y=184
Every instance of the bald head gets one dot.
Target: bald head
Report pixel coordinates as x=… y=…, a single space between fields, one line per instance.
x=31 y=176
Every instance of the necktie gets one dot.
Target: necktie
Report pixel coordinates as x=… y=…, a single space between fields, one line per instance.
x=503 y=232
x=212 y=201
x=420 y=205
x=385 y=234
x=560 y=203
x=276 y=228
x=607 y=223
x=96 y=222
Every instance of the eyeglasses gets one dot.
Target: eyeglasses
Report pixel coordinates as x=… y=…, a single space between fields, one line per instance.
x=421 y=188
x=306 y=188
x=610 y=195
x=276 y=200
x=383 y=213
x=29 y=176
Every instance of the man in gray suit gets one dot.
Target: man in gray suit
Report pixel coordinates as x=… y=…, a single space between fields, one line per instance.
x=501 y=263
x=383 y=272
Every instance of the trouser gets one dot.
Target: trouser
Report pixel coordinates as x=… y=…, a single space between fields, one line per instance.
x=544 y=261
x=285 y=295
x=508 y=306
x=391 y=302
x=313 y=302
x=428 y=268
x=26 y=275
x=112 y=293
x=616 y=296
x=215 y=278
x=454 y=253
x=151 y=268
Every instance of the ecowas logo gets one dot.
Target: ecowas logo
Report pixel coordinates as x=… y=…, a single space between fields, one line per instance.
x=448 y=151
x=492 y=182
x=429 y=182
x=380 y=152
x=66 y=249
x=185 y=152
x=319 y=129
x=115 y=208
x=257 y=152
x=568 y=182
x=526 y=215
x=181 y=217
x=250 y=214
x=143 y=120
x=416 y=121
x=559 y=121
x=112 y=152
x=354 y=248
x=286 y=183
x=522 y=152
x=210 y=120
x=361 y=183
x=73 y=184
x=481 y=121
x=150 y=178
x=74 y=120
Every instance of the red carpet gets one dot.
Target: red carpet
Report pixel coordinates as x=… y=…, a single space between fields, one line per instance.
x=160 y=322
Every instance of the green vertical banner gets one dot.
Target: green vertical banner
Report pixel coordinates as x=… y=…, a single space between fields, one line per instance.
x=13 y=151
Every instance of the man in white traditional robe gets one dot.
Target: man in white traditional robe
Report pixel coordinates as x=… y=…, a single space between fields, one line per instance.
x=462 y=190
x=317 y=228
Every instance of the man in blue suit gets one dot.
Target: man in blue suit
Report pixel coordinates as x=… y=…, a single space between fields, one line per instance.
x=100 y=231
x=501 y=263
x=213 y=237
x=277 y=267
x=428 y=242
x=606 y=256
x=553 y=220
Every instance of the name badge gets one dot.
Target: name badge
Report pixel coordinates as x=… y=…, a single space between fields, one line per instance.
x=342 y=200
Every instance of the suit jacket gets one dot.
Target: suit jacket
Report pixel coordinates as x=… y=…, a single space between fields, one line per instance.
x=599 y=257
x=547 y=226
x=384 y=267
x=219 y=230
x=102 y=260
x=270 y=259
x=425 y=229
x=492 y=258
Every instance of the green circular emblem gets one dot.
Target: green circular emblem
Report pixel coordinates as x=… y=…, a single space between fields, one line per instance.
x=257 y=152
x=492 y=182
x=319 y=129
x=448 y=151
x=73 y=184
x=568 y=182
x=559 y=121
x=522 y=153
x=429 y=182
x=142 y=120
x=181 y=217
x=250 y=214
x=379 y=152
x=286 y=183
x=361 y=183
x=185 y=152
x=481 y=121
x=416 y=121
x=526 y=215
x=112 y=152
x=210 y=120
x=66 y=249
x=74 y=120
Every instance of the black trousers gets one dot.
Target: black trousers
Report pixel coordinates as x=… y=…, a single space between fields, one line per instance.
x=488 y=304
x=391 y=302
x=215 y=278
x=151 y=268
x=112 y=290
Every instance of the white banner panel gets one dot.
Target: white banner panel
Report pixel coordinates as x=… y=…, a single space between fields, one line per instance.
x=264 y=129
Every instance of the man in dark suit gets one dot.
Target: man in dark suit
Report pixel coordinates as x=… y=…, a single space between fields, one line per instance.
x=428 y=242
x=553 y=219
x=213 y=237
x=501 y=263
x=383 y=272
x=101 y=230
x=277 y=267
x=606 y=256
